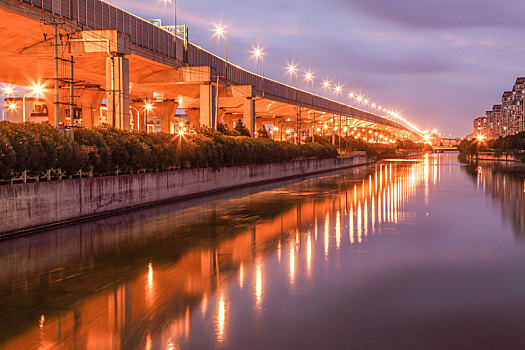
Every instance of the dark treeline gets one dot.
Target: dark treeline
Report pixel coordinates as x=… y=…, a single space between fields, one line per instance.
x=504 y=145
x=103 y=150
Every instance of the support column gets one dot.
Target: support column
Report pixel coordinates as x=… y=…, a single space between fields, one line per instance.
x=166 y=111
x=249 y=115
x=207 y=106
x=221 y=117
x=117 y=87
x=90 y=102
x=193 y=116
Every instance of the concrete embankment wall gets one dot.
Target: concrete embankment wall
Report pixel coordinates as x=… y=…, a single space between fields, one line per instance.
x=492 y=156
x=25 y=207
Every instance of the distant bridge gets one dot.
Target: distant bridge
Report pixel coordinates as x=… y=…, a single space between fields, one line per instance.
x=125 y=59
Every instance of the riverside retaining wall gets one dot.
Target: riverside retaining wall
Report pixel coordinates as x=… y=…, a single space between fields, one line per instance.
x=492 y=156
x=29 y=206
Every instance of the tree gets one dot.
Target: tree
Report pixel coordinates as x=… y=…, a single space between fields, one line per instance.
x=241 y=129
x=262 y=133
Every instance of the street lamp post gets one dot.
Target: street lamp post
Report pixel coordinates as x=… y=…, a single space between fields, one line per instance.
x=327 y=85
x=258 y=53
x=292 y=69
x=136 y=122
x=340 y=117
x=175 y=30
x=346 y=136
x=38 y=89
x=181 y=132
x=309 y=76
x=220 y=32
x=338 y=90
x=147 y=107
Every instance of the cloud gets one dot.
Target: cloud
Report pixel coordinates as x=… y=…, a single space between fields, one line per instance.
x=441 y=14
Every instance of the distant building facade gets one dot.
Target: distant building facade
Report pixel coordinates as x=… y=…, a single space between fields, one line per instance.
x=506 y=118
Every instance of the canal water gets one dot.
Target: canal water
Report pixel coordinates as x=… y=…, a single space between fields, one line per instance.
x=405 y=254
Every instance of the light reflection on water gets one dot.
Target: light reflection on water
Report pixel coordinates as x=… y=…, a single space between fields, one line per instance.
x=397 y=255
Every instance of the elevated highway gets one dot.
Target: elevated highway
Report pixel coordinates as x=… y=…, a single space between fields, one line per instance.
x=126 y=60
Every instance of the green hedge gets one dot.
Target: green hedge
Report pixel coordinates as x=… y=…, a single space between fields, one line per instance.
x=39 y=147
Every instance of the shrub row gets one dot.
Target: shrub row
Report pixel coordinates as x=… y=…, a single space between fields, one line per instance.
x=507 y=143
x=504 y=145
x=39 y=147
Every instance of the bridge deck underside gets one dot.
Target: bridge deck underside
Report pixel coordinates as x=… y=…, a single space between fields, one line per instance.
x=26 y=57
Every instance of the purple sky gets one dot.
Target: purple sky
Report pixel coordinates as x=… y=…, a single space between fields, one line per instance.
x=441 y=63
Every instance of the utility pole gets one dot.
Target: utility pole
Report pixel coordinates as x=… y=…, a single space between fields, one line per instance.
x=72 y=94
x=313 y=127
x=56 y=78
x=215 y=121
x=175 y=33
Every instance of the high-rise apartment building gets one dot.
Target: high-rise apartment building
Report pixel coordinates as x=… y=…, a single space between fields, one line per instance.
x=506 y=118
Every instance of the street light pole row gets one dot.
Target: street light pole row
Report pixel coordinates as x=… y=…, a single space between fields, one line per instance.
x=292 y=69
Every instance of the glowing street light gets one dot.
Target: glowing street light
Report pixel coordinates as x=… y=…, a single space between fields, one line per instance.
x=326 y=85
x=292 y=69
x=258 y=53
x=220 y=32
x=146 y=108
x=11 y=106
x=309 y=76
x=37 y=89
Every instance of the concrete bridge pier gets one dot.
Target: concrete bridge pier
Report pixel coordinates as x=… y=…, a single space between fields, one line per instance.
x=117 y=82
x=249 y=115
x=207 y=105
x=193 y=115
x=228 y=119
x=166 y=111
x=89 y=101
